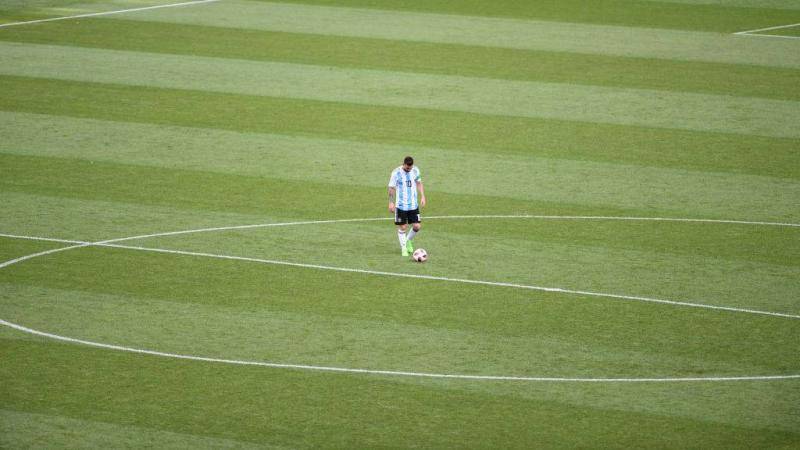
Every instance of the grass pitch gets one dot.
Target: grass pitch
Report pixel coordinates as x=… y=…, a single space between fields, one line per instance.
x=247 y=112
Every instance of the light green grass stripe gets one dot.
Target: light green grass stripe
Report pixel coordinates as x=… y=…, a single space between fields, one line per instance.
x=343 y=162
x=28 y=430
x=774 y=118
x=494 y=32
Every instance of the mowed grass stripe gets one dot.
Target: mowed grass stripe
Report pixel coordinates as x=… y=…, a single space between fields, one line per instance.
x=708 y=15
x=774 y=118
x=152 y=392
x=482 y=31
x=703 y=151
x=421 y=57
x=342 y=162
x=447 y=337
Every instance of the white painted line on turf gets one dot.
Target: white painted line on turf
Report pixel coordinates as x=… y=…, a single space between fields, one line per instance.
x=390 y=372
x=46 y=252
x=375 y=219
x=522 y=216
x=244 y=227
x=623 y=218
x=756 y=32
x=453 y=280
x=770 y=35
x=768 y=29
x=106 y=13
x=110 y=243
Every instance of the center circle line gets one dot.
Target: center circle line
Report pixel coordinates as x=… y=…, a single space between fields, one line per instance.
x=111 y=243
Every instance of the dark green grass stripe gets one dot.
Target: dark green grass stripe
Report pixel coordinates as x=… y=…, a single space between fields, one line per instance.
x=406 y=56
x=650 y=14
x=502 y=135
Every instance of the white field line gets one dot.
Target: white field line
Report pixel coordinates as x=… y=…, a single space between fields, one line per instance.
x=375 y=219
x=453 y=280
x=756 y=32
x=109 y=243
x=390 y=372
x=768 y=28
x=463 y=217
x=770 y=35
x=106 y=13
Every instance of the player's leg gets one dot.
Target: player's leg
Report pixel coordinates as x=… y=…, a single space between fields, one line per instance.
x=401 y=221
x=415 y=227
x=401 y=236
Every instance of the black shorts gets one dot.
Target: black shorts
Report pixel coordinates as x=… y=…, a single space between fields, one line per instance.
x=402 y=217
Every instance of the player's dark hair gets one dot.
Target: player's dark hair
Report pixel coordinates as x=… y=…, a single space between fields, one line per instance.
x=409 y=161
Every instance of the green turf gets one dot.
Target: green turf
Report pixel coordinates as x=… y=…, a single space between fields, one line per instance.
x=150 y=393
x=713 y=152
x=417 y=57
x=246 y=112
x=716 y=16
x=572 y=37
x=559 y=101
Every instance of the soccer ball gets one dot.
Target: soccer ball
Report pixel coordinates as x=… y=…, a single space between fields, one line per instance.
x=420 y=255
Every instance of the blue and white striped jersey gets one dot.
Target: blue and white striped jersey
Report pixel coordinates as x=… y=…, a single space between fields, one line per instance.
x=405 y=184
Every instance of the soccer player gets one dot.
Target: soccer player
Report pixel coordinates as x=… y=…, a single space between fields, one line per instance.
x=403 y=186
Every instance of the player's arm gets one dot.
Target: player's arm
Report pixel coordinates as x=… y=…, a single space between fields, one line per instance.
x=421 y=189
x=391 y=198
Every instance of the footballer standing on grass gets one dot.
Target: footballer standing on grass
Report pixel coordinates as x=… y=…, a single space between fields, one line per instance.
x=404 y=202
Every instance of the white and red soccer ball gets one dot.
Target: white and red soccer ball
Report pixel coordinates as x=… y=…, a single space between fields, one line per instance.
x=420 y=255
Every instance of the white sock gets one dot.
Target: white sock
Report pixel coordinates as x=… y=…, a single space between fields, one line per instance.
x=411 y=234
x=401 y=236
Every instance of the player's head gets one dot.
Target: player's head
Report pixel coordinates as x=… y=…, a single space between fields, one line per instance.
x=408 y=163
